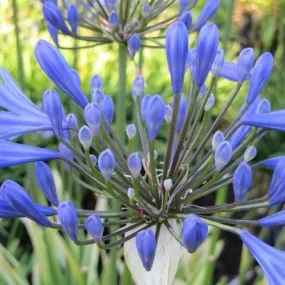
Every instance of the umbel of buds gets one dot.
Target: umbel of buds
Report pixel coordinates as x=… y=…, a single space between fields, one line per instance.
x=135 y=24
x=157 y=190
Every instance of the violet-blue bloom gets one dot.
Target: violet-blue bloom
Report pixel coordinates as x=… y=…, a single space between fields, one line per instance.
x=94 y=227
x=113 y=20
x=85 y=137
x=223 y=154
x=176 y=43
x=270 y=259
x=144 y=107
x=108 y=109
x=53 y=15
x=53 y=31
x=194 y=232
x=67 y=216
x=260 y=74
x=146 y=247
x=276 y=190
x=186 y=18
x=96 y=82
x=245 y=64
x=92 y=116
x=135 y=164
x=138 y=87
x=134 y=44
x=218 y=62
x=97 y=96
x=274 y=220
x=154 y=116
x=242 y=180
x=14 y=154
x=45 y=180
x=16 y=197
x=53 y=108
x=73 y=18
x=58 y=70
x=206 y=51
x=217 y=139
x=106 y=163
x=208 y=11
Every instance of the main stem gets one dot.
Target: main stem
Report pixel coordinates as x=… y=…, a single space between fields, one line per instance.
x=120 y=128
x=122 y=93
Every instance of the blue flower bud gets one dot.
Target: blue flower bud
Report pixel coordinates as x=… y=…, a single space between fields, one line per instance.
x=106 y=163
x=97 y=96
x=65 y=152
x=93 y=159
x=110 y=4
x=176 y=45
x=249 y=154
x=145 y=10
x=96 y=82
x=218 y=62
x=223 y=155
x=202 y=92
x=168 y=114
x=245 y=64
x=217 y=139
x=207 y=12
x=134 y=44
x=271 y=163
x=191 y=61
x=85 y=137
x=276 y=188
x=53 y=109
x=131 y=193
x=71 y=120
x=144 y=107
x=53 y=15
x=194 y=232
x=53 y=31
x=186 y=19
x=67 y=216
x=183 y=5
x=108 y=109
x=229 y=71
x=206 y=51
x=138 y=87
x=210 y=103
x=264 y=106
x=242 y=180
x=154 y=116
x=274 y=220
x=181 y=113
x=17 y=198
x=94 y=227
x=56 y=68
x=73 y=18
x=131 y=131
x=146 y=247
x=113 y=20
x=135 y=164
x=45 y=180
x=260 y=74
x=92 y=116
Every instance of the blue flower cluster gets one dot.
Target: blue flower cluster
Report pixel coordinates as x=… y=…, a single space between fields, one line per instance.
x=126 y=22
x=197 y=162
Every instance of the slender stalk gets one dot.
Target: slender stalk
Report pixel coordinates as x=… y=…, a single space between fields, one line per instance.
x=171 y=135
x=153 y=172
x=122 y=92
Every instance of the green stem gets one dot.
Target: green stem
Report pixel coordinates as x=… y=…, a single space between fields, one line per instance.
x=20 y=65
x=122 y=92
x=209 y=270
x=244 y=265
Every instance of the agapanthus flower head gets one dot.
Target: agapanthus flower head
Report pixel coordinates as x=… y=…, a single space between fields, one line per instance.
x=129 y=24
x=156 y=185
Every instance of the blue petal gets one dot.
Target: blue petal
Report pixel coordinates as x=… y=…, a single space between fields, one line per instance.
x=14 y=154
